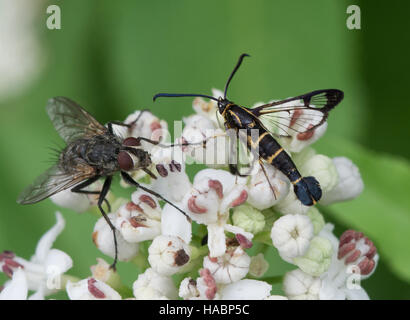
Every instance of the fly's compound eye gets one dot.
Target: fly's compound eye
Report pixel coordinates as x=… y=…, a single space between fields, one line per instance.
x=131 y=142
x=125 y=161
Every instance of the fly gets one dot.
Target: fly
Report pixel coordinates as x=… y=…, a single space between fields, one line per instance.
x=306 y=112
x=92 y=152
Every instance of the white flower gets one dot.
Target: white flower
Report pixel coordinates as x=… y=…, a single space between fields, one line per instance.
x=78 y=202
x=301 y=286
x=230 y=267
x=291 y=235
x=208 y=202
x=172 y=181
x=260 y=193
x=353 y=255
x=151 y=285
x=174 y=223
x=188 y=289
x=246 y=289
x=16 y=288
x=168 y=254
x=44 y=270
x=203 y=288
x=139 y=219
x=91 y=289
x=350 y=183
x=104 y=240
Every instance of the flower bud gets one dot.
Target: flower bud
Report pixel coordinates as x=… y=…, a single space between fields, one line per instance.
x=301 y=286
x=350 y=183
x=291 y=235
x=291 y=205
x=230 y=267
x=323 y=169
x=260 y=187
x=140 y=219
x=317 y=219
x=248 y=218
x=317 y=259
x=168 y=254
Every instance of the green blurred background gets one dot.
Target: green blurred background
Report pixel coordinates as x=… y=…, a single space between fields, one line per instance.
x=112 y=57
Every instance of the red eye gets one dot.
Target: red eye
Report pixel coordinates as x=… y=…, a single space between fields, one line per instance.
x=131 y=142
x=125 y=161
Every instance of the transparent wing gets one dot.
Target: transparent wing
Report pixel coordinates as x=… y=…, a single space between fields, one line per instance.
x=71 y=121
x=300 y=114
x=53 y=181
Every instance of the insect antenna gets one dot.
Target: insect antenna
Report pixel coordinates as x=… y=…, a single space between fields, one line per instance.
x=159 y=95
x=238 y=64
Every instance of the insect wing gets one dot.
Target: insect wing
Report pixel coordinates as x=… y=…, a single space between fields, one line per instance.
x=51 y=182
x=71 y=121
x=299 y=114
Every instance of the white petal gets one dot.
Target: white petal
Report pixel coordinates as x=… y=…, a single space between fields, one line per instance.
x=104 y=240
x=260 y=193
x=301 y=286
x=47 y=240
x=174 y=223
x=246 y=289
x=81 y=291
x=75 y=201
x=57 y=262
x=357 y=294
x=38 y=295
x=216 y=240
x=16 y=288
x=158 y=285
x=291 y=204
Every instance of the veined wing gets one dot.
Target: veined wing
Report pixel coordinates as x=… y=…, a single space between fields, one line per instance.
x=53 y=181
x=299 y=114
x=71 y=121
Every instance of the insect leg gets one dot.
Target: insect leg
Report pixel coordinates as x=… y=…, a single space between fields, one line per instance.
x=103 y=194
x=128 y=179
x=266 y=176
x=78 y=189
x=150 y=173
x=128 y=125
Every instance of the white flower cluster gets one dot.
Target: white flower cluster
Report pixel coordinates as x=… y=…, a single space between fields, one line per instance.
x=230 y=212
